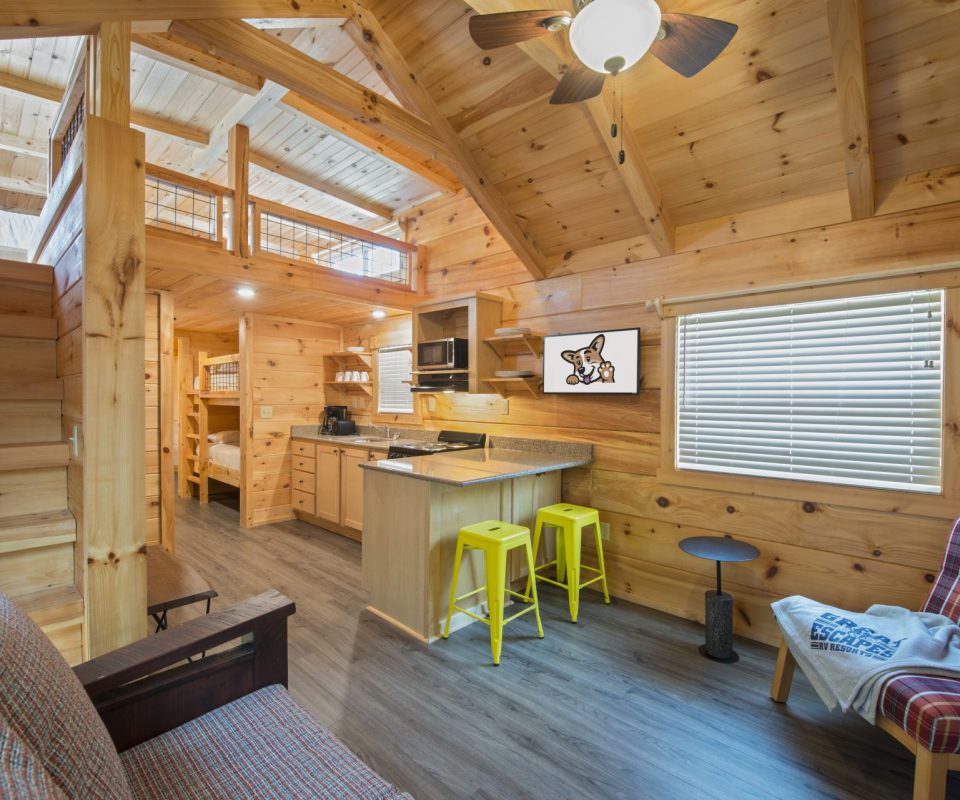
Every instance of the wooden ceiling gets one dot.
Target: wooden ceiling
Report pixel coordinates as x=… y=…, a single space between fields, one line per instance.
x=763 y=141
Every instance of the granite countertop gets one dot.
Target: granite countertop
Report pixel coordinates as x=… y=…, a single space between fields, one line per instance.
x=471 y=467
x=370 y=441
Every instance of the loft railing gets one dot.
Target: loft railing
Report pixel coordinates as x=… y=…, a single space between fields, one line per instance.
x=289 y=233
x=185 y=205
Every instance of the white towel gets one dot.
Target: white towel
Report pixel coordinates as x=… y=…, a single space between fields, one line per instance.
x=848 y=655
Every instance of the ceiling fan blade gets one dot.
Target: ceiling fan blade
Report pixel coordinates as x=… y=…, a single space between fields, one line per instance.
x=490 y=31
x=578 y=83
x=691 y=42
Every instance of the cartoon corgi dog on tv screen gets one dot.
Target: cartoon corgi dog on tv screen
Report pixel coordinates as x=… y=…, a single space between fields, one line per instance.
x=588 y=364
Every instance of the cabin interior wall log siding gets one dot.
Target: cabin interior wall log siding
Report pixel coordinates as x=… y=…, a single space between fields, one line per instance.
x=846 y=547
x=281 y=384
x=160 y=404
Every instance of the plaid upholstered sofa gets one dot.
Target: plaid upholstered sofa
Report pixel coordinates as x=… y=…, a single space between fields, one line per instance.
x=922 y=712
x=222 y=726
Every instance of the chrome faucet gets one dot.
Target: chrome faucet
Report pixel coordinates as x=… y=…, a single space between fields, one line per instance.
x=385 y=432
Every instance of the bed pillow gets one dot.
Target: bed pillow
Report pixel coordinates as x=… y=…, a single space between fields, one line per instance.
x=224 y=437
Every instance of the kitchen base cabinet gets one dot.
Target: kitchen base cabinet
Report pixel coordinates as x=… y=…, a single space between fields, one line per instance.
x=327 y=485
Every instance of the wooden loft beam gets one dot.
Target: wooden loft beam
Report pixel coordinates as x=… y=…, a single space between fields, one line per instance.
x=21 y=145
x=108 y=73
x=275 y=60
x=34 y=18
x=175 y=52
x=361 y=40
x=362 y=136
x=332 y=189
x=23 y=186
x=54 y=94
x=238 y=181
x=249 y=111
x=845 y=18
x=637 y=178
x=486 y=194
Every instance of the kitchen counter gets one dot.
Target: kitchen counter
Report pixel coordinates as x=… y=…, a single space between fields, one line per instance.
x=414 y=508
x=471 y=467
x=369 y=441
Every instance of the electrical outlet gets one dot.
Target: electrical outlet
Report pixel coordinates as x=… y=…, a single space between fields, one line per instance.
x=605 y=531
x=266 y=412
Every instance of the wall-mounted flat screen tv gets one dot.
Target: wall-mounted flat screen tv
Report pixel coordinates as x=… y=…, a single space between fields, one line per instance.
x=603 y=362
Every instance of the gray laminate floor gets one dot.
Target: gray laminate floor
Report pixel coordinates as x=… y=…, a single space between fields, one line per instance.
x=617 y=706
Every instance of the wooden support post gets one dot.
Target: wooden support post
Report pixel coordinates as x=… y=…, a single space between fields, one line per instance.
x=168 y=398
x=238 y=179
x=114 y=492
x=108 y=73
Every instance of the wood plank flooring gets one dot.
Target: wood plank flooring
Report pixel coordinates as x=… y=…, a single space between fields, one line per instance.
x=617 y=706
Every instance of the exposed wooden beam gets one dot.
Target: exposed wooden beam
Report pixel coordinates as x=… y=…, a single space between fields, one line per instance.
x=637 y=178
x=238 y=181
x=376 y=143
x=363 y=44
x=266 y=55
x=35 y=18
x=636 y=175
x=249 y=111
x=484 y=191
x=22 y=145
x=23 y=186
x=845 y=18
x=332 y=189
x=107 y=89
x=175 y=52
x=54 y=94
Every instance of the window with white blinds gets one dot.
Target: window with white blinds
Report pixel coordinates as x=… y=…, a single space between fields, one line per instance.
x=838 y=391
x=393 y=380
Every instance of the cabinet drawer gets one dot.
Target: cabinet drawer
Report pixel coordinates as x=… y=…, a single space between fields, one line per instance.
x=303 y=502
x=305 y=464
x=304 y=449
x=303 y=481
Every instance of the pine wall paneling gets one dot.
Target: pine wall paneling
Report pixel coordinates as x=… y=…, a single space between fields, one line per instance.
x=281 y=384
x=849 y=547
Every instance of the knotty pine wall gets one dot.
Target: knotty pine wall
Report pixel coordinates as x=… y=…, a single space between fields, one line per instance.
x=160 y=385
x=847 y=547
x=281 y=368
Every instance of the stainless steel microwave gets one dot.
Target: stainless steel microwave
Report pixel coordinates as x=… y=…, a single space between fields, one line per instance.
x=442 y=354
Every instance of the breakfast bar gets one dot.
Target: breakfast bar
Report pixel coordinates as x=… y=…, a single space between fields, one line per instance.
x=414 y=508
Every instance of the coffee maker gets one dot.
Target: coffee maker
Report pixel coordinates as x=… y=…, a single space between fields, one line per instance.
x=333 y=419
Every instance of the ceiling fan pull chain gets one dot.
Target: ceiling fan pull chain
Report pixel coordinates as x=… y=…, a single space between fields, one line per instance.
x=622 y=157
x=613 y=125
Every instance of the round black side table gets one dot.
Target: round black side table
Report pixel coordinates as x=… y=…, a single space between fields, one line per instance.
x=719 y=605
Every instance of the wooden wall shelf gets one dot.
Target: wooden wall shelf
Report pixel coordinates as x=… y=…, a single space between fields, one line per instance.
x=519 y=342
x=505 y=386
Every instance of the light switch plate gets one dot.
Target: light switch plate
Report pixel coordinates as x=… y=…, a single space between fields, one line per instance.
x=605 y=531
x=266 y=412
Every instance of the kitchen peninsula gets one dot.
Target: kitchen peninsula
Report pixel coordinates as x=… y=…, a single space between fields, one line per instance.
x=414 y=507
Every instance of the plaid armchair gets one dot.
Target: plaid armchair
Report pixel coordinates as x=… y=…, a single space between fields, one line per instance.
x=922 y=712
x=219 y=727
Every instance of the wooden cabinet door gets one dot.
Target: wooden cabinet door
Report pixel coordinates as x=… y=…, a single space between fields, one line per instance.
x=351 y=487
x=327 y=483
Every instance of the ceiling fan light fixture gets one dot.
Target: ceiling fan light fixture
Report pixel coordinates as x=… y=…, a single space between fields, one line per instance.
x=554 y=24
x=612 y=35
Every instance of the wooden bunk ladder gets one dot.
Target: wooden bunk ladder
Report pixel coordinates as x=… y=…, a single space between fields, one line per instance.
x=37 y=531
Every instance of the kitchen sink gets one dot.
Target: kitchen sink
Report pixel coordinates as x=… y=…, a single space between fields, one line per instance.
x=370 y=440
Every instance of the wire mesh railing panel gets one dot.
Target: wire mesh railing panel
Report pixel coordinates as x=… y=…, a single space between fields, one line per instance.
x=180 y=208
x=72 y=129
x=293 y=238
x=223 y=377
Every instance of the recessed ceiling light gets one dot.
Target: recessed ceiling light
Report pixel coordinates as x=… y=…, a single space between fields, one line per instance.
x=246 y=291
x=378 y=313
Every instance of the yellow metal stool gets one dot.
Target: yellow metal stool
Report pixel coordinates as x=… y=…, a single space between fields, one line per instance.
x=495 y=539
x=569 y=521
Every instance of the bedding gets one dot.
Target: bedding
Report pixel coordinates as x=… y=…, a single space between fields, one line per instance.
x=224 y=437
x=226 y=455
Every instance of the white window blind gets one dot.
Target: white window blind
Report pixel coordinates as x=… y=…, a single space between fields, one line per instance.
x=839 y=391
x=393 y=368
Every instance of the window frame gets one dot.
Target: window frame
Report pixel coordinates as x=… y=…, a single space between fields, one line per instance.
x=812 y=494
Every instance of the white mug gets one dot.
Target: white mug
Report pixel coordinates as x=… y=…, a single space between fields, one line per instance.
x=355 y=376
x=339 y=377
x=365 y=377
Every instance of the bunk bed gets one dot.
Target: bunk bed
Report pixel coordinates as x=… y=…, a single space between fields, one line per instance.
x=218 y=407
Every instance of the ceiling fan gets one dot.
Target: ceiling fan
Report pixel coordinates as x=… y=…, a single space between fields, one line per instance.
x=607 y=37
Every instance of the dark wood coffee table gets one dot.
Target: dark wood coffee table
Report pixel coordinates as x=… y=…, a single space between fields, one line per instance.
x=719 y=605
x=172 y=583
